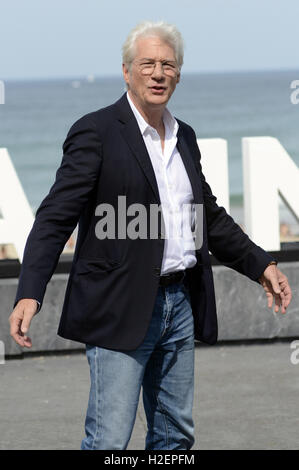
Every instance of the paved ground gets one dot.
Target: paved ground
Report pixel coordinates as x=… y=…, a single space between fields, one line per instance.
x=246 y=397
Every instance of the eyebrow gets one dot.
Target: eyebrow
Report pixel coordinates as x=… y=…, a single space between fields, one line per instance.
x=163 y=60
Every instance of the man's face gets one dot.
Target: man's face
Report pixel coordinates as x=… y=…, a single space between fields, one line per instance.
x=152 y=91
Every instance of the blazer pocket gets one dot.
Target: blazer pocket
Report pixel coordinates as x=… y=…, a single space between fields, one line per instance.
x=87 y=265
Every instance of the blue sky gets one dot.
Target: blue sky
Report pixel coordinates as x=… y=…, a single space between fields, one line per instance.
x=74 y=38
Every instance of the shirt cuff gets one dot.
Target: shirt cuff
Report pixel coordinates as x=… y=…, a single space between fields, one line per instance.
x=38 y=305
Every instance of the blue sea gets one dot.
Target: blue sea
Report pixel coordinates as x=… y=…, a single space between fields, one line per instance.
x=37 y=115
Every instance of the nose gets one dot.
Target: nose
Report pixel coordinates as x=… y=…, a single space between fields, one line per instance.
x=158 y=71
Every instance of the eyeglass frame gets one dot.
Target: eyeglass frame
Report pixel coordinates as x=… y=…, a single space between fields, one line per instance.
x=153 y=63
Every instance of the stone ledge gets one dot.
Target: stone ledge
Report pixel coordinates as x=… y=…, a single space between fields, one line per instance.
x=241 y=305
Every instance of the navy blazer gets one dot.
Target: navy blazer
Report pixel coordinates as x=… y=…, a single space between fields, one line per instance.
x=113 y=283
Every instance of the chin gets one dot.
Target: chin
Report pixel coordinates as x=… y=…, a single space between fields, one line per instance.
x=158 y=99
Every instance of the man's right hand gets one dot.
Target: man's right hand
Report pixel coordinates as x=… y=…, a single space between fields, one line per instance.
x=20 y=320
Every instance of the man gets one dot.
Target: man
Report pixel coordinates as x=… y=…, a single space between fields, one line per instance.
x=137 y=303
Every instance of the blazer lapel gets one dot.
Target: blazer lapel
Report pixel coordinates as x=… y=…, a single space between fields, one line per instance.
x=131 y=132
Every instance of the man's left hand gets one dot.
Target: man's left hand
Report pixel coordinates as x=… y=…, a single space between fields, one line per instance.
x=276 y=286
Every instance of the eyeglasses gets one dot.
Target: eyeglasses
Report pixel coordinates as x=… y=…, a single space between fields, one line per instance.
x=147 y=67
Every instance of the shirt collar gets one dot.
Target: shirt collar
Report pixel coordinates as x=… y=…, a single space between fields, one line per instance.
x=171 y=125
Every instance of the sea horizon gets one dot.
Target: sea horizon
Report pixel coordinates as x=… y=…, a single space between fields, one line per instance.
x=119 y=76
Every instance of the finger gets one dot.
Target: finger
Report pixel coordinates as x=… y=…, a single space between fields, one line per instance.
x=15 y=323
x=277 y=303
x=283 y=302
x=275 y=285
x=270 y=299
x=288 y=295
x=15 y=331
x=27 y=342
x=19 y=339
x=268 y=294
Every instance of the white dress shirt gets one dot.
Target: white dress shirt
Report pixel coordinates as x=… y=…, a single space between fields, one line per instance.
x=174 y=189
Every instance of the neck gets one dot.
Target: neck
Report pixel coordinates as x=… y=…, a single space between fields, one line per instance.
x=152 y=115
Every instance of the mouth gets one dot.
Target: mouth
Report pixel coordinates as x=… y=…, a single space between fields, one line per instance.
x=158 y=89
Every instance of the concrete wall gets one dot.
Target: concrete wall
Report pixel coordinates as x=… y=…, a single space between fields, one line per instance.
x=241 y=306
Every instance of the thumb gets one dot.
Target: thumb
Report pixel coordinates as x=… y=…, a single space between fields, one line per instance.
x=26 y=323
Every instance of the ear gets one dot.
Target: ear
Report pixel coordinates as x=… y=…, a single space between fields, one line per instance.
x=178 y=77
x=126 y=73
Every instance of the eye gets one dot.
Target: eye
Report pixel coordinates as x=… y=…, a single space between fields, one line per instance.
x=169 y=65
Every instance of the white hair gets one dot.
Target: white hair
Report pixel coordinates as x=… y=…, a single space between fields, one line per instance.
x=165 y=31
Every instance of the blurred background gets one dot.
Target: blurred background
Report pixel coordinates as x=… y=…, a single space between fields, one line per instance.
x=62 y=59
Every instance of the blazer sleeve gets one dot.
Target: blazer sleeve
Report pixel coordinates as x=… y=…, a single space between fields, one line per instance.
x=58 y=214
x=226 y=240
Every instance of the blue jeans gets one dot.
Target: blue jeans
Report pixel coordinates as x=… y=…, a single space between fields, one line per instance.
x=163 y=365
